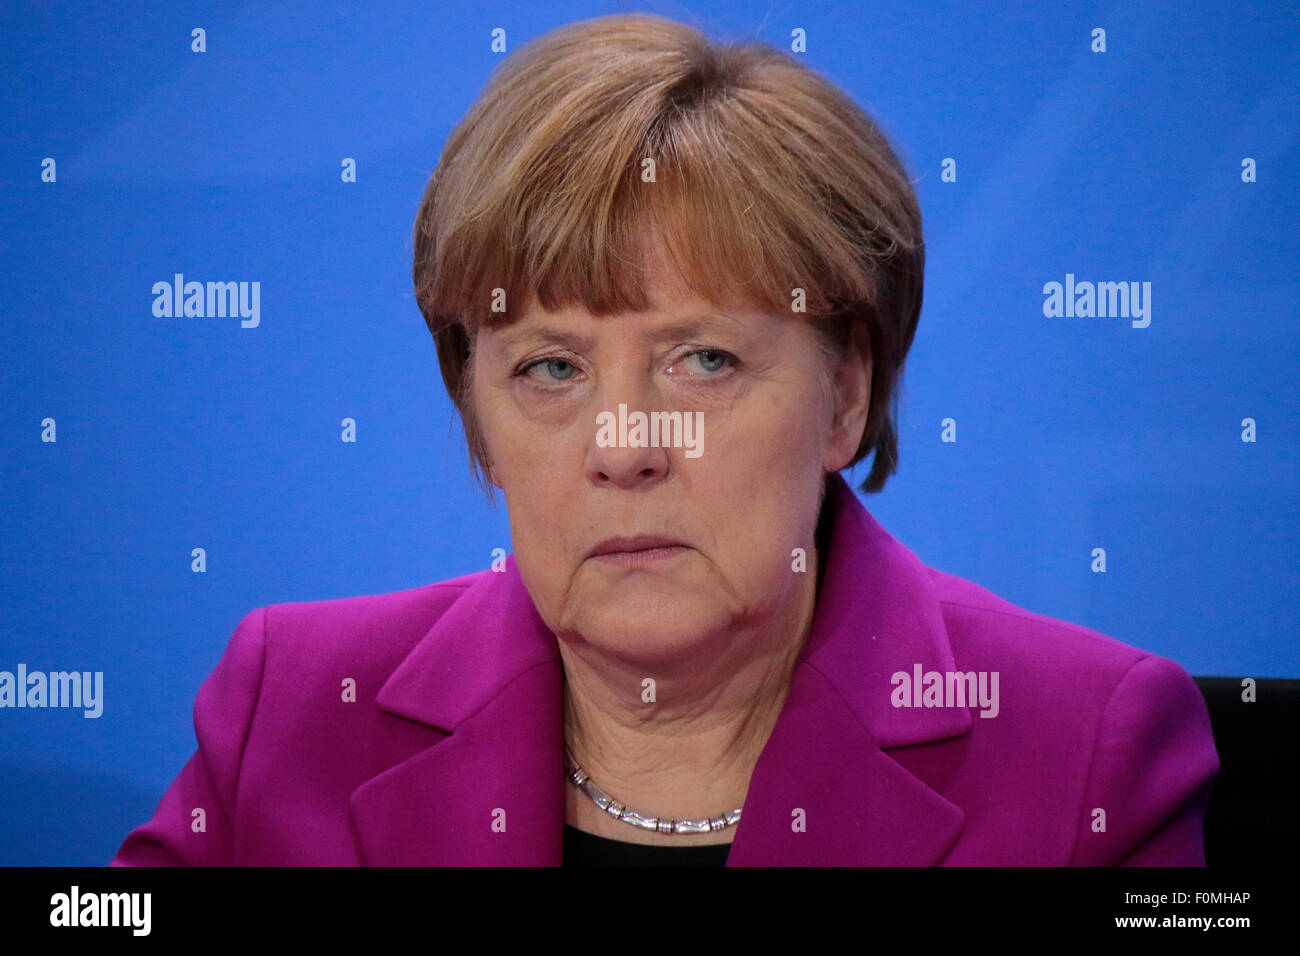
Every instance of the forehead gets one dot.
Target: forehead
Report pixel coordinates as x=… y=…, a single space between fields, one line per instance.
x=669 y=317
x=675 y=309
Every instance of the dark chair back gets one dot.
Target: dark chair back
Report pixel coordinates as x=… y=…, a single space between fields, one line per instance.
x=1254 y=814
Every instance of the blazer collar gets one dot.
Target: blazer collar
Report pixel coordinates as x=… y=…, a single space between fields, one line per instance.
x=488 y=675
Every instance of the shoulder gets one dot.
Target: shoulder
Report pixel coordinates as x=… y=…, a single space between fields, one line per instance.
x=984 y=625
x=1055 y=673
x=365 y=636
x=1068 y=680
x=1109 y=738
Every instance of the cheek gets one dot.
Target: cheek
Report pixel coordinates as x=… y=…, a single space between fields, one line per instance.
x=782 y=436
x=503 y=432
x=539 y=492
x=541 y=532
x=766 y=474
x=528 y=438
x=539 y=522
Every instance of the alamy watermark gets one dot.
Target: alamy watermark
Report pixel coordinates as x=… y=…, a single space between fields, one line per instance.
x=651 y=430
x=946 y=689
x=84 y=689
x=130 y=910
x=1101 y=299
x=178 y=298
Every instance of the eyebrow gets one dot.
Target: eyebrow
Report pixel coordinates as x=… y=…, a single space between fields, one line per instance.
x=687 y=328
x=547 y=336
x=691 y=328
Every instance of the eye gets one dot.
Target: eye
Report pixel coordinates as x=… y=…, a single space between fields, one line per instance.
x=557 y=369
x=711 y=361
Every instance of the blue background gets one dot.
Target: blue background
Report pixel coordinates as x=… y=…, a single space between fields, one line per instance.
x=1073 y=433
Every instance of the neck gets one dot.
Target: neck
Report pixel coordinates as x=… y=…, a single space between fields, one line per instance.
x=690 y=752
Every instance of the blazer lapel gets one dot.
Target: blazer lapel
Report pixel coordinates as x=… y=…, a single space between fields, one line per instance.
x=825 y=791
x=824 y=794
x=492 y=792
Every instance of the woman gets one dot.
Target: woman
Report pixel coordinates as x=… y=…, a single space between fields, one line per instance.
x=672 y=286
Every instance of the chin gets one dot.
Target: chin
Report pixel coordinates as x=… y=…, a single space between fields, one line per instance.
x=653 y=627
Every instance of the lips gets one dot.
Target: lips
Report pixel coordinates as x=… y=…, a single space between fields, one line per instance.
x=640 y=542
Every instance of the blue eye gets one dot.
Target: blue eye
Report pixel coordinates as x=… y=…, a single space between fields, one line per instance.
x=560 y=369
x=712 y=360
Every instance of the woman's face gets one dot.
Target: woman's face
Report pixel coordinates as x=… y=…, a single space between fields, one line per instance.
x=736 y=503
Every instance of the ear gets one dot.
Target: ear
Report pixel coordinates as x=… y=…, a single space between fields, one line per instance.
x=852 y=403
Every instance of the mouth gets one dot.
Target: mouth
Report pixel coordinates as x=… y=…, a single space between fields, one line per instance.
x=638 y=550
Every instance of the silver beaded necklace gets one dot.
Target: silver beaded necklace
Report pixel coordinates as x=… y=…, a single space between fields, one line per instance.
x=578 y=777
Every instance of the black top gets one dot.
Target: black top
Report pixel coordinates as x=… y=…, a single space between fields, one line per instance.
x=586 y=849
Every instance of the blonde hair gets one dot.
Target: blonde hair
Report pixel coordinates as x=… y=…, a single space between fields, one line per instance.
x=767 y=179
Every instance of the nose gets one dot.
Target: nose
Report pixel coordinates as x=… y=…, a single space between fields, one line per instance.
x=619 y=454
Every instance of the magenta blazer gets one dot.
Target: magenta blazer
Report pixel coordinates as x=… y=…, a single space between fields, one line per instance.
x=1098 y=753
